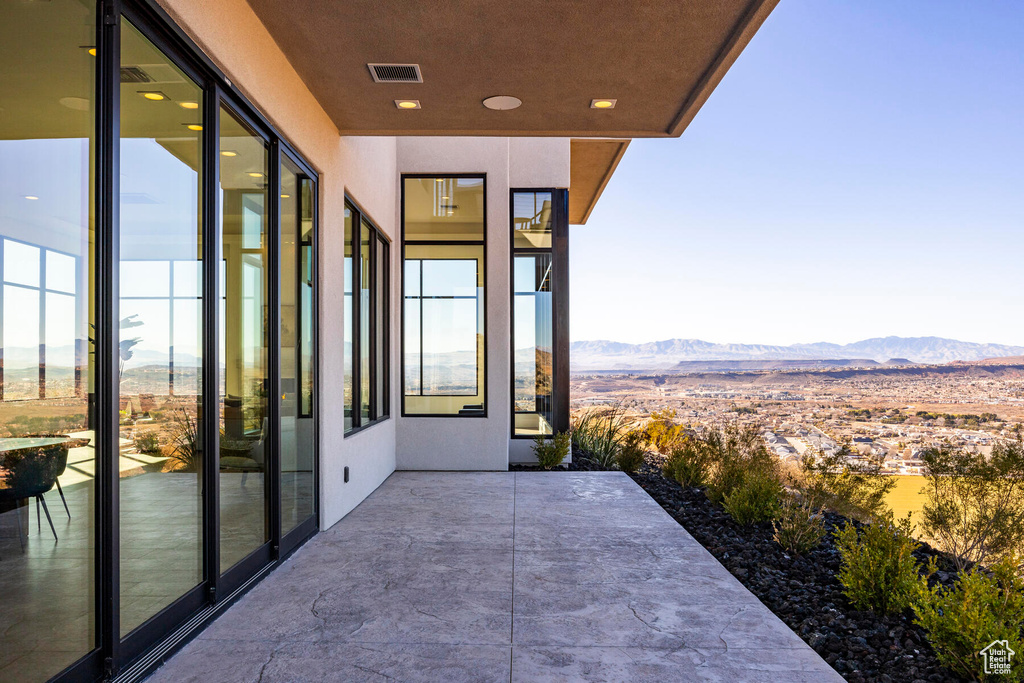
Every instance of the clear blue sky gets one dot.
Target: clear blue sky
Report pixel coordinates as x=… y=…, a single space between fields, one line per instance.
x=859 y=172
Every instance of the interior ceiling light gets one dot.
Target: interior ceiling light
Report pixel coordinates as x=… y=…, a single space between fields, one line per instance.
x=188 y=105
x=408 y=104
x=228 y=153
x=603 y=104
x=89 y=48
x=194 y=126
x=31 y=197
x=502 y=102
x=286 y=196
x=438 y=180
x=154 y=95
x=255 y=174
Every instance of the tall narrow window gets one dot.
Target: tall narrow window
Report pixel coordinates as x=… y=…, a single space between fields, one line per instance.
x=443 y=296
x=366 y=324
x=539 y=361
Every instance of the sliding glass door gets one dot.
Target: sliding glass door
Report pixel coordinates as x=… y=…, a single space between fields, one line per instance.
x=157 y=339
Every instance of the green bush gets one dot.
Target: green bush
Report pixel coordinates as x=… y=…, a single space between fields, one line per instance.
x=799 y=527
x=852 y=489
x=688 y=463
x=755 y=500
x=735 y=454
x=978 y=610
x=147 y=442
x=662 y=431
x=552 y=451
x=975 y=503
x=878 y=571
x=598 y=434
x=632 y=451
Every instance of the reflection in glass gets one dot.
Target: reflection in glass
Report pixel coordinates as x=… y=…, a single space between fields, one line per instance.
x=532 y=344
x=243 y=341
x=365 y=309
x=531 y=220
x=444 y=208
x=297 y=436
x=161 y=339
x=349 y=366
x=47 y=451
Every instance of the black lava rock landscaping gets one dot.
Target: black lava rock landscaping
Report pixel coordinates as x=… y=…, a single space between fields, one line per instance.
x=802 y=591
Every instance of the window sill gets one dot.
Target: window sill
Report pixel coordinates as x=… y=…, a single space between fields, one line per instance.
x=363 y=428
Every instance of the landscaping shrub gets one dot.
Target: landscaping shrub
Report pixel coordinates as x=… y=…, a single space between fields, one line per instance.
x=688 y=462
x=147 y=442
x=598 y=434
x=978 y=610
x=755 y=499
x=662 y=431
x=852 y=489
x=975 y=504
x=878 y=570
x=735 y=454
x=552 y=451
x=799 y=527
x=631 y=451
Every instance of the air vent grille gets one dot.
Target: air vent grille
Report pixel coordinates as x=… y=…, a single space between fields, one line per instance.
x=396 y=73
x=133 y=74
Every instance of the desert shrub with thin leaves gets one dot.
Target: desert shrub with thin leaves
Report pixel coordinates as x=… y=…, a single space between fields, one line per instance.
x=799 y=528
x=185 y=442
x=632 y=451
x=688 y=463
x=735 y=454
x=755 y=499
x=846 y=486
x=599 y=434
x=979 y=609
x=550 y=452
x=878 y=569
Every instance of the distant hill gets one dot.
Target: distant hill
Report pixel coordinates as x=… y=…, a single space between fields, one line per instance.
x=688 y=366
x=664 y=355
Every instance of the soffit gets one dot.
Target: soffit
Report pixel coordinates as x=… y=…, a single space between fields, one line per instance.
x=659 y=58
x=592 y=164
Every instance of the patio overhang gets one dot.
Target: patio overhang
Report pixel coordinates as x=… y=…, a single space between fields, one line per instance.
x=592 y=163
x=660 y=60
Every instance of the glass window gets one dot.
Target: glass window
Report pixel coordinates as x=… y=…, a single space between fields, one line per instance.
x=366 y=339
x=533 y=376
x=47 y=416
x=161 y=337
x=443 y=355
x=298 y=445
x=531 y=220
x=243 y=340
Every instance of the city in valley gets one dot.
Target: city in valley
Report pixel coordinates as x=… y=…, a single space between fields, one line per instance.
x=888 y=414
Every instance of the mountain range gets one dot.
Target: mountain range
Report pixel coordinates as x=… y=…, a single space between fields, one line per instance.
x=610 y=355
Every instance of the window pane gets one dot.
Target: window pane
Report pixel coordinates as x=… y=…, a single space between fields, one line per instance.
x=297 y=446
x=531 y=220
x=243 y=342
x=161 y=337
x=365 y=314
x=381 y=313
x=60 y=272
x=444 y=329
x=532 y=344
x=47 y=574
x=349 y=369
x=444 y=208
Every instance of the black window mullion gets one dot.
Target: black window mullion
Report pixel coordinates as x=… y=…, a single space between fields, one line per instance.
x=357 y=363
x=371 y=239
x=273 y=478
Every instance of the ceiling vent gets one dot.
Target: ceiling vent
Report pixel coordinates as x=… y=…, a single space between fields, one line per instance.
x=396 y=73
x=133 y=74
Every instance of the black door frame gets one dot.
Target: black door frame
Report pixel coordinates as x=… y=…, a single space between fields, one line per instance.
x=145 y=647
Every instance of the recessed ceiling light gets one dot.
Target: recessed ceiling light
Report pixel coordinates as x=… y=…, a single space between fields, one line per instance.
x=408 y=104
x=438 y=180
x=255 y=174
x=188 y=105
x=450 y=213
x=194 y=126
x=228 y=153
x=153 y=95
x=76 y=103
x=445 y=197
x=502 y=102
x=31 y=196
x=286 y=196
x=603 y=104
x=90 y=49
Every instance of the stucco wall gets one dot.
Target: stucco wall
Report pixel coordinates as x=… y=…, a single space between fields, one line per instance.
x=235 y=39
x=471 y=443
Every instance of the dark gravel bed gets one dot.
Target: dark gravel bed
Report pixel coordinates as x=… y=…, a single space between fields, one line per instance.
x=802 y=591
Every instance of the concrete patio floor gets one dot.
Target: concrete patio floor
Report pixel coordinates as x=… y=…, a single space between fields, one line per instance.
x=498 y=577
